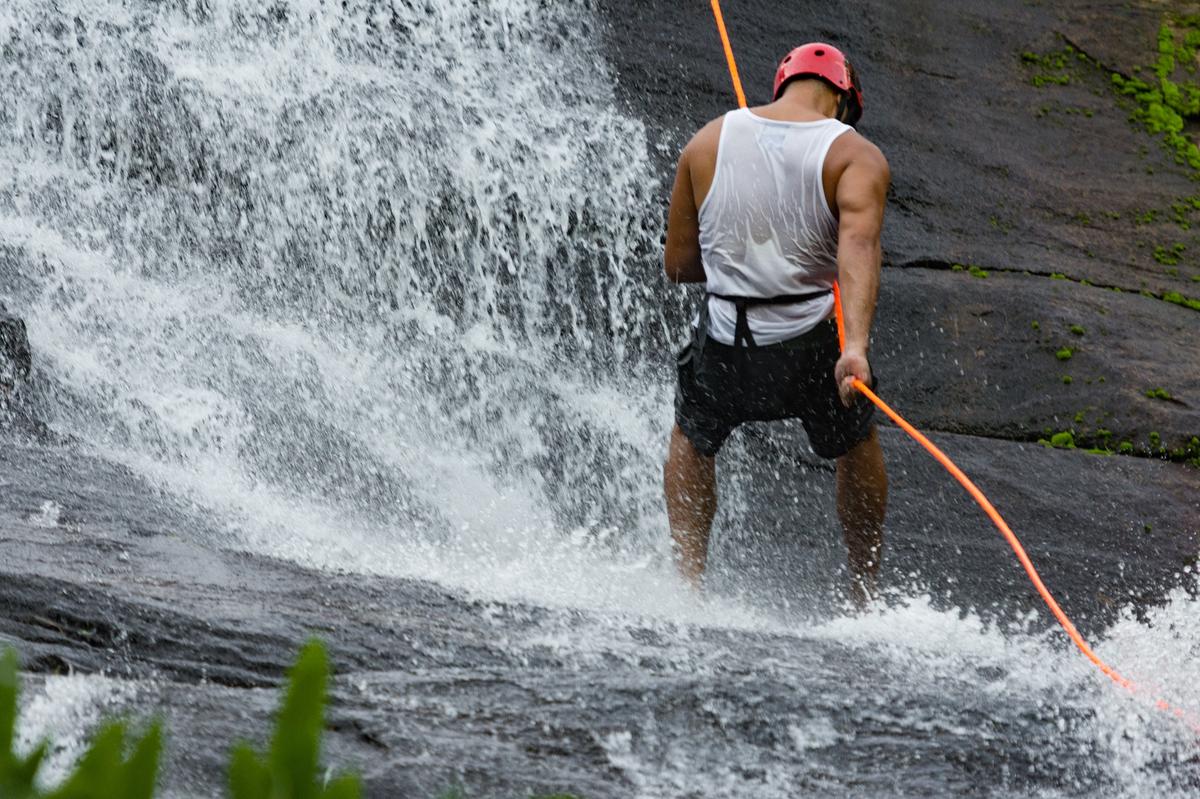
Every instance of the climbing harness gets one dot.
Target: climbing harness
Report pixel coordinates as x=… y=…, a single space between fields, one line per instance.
x=953 y=469
x=741 y=335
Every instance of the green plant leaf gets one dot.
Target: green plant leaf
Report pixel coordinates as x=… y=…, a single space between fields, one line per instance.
x=10 y=691
x=248 y=776
x=296 y=744
x=98 y=771
x=346 y=786
x=140 y=772
x=22 y=774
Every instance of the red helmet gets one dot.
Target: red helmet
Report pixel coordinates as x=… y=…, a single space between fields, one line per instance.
x=824 y=61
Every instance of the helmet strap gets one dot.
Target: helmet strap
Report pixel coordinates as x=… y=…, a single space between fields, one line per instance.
x=843 y=107
x=848 y=110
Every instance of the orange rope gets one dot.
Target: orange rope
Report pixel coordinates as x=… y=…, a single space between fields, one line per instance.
x=953 y=469
x=1002 y=525
x=733 y=70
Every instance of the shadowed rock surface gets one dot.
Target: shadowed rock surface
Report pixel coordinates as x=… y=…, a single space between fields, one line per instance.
x=981 y=356
x=14 y=352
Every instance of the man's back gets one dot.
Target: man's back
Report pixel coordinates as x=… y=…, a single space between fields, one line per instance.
x=766 y=228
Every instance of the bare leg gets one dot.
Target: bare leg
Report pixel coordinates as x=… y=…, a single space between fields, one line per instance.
x=862 y=487
x=690 y=485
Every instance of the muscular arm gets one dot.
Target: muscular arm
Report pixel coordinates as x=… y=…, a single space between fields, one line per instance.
x=681 y=258
x=861 y=197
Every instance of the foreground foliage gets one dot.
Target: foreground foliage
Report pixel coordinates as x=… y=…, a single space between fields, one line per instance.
x=104 y=771
x=290 y=769
x=118 y=764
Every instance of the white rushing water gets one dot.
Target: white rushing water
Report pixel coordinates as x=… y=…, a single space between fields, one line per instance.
x=376 y=284
x=374 y=281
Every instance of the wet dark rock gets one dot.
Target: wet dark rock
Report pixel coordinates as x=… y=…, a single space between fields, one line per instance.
x=1101 y=540
x=989 y=171
x=15 y=358
x=16 y=365
x=987 y=168
x=982 y=356
x=104 y=574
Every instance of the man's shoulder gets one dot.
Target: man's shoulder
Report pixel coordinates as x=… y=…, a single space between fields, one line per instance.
x=855 y=144
x=707 y=139
x=853 y=147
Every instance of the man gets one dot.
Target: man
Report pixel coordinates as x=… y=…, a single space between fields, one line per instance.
x=771 y=205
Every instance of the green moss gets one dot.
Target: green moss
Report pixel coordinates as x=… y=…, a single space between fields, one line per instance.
x=975 y=271
x=1155 y=442
x=1065 y=354
x=1063 y=440
x=1180 y=212
x=1050 y=80
x=1147 y=528
x=1161 y=105
x=957 y=268
x=1067 y=380
x=1055 y=68
x=1158 y=393
x=1188 y=453
x=1176 y=298
x=1077 y=330
x=1035 y=325
x=1125 y=448
x=1057 y=276
x=1169 y=255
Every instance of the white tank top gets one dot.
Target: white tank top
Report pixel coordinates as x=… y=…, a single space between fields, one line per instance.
x=765 y=227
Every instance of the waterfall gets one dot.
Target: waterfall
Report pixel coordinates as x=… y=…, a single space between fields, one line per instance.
x=350 y=275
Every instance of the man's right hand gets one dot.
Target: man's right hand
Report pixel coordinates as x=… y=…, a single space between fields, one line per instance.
x=853 y=364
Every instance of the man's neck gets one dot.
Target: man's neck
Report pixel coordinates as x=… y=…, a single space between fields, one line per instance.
x=806 y=101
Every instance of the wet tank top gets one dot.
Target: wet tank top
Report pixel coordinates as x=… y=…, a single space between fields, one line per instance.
x=766 y=229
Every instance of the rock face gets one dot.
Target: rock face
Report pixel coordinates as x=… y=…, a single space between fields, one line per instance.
x=1008 y=168
x=15 y=358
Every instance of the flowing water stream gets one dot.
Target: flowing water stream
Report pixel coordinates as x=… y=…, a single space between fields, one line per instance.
x=375 y=285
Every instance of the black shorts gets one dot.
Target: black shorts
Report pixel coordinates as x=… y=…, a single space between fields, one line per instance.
x=724 y=386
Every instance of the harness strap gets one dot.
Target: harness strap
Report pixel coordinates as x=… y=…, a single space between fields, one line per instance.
x=741 y=331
